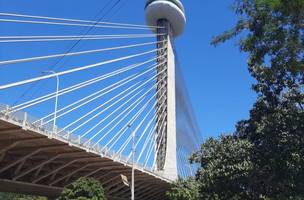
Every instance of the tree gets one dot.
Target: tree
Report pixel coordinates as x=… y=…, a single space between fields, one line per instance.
x=184 y=190
x=225 y=168
x=83 y=189
x=264 y=158
x=275 y=44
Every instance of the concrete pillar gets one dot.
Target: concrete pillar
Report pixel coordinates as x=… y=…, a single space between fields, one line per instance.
x=166 y=157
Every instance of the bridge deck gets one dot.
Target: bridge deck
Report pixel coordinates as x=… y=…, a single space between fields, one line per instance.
x=32 y=163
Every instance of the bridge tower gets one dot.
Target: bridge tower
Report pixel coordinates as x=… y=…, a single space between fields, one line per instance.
x=169 y=18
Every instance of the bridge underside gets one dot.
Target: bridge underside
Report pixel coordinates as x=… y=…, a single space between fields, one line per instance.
x=32 y=163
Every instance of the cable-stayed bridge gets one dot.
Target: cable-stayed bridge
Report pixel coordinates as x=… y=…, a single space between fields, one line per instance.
x=129 y=110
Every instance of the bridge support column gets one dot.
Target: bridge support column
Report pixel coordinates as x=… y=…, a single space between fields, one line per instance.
x=166 y=156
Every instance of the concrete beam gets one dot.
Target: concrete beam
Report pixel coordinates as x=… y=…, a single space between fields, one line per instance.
x=29 y=188
x=43 y=163
x=56 y=170
x=14 y=143
x=27 y=156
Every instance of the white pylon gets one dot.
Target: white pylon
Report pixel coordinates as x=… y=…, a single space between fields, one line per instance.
x=169 y=17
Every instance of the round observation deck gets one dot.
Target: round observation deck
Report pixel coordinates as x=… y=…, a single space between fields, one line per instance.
x=171 y=10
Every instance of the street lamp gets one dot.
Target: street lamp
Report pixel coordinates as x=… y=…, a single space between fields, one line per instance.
x=133 y=165
x=133 y=170
x=56 y=100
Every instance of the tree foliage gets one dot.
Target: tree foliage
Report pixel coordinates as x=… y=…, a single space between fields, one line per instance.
x=225 y=168
x=184 y=190
x=13 y=196
x=275 y=44
x=83 y=189
x=272 y=33
x=264 y=158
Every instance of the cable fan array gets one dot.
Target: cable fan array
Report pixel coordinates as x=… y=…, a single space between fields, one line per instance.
x=100 y=104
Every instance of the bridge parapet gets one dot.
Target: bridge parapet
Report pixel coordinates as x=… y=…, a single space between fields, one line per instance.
x=18 y=133
x=27 y=122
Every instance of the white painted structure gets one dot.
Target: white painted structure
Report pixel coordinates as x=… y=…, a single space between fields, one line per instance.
x=134 y=120
x=169 y=16
x=171 y=10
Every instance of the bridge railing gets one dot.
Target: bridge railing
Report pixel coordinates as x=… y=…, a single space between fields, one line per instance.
x=26 y=121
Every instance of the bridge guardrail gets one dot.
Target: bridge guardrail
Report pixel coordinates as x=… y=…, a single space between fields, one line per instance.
x=27 y=121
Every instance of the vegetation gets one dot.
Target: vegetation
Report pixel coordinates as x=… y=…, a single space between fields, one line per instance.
x=264 y=158
x=83 y=189
x=226 y=168
x=12 y=196
x=184 y=190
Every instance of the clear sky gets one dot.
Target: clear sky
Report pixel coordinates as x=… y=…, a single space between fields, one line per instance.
x=217 y=78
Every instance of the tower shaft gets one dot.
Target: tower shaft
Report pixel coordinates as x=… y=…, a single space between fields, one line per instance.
x=166 y=139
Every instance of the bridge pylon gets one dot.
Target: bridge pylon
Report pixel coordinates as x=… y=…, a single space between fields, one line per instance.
x=168 y=16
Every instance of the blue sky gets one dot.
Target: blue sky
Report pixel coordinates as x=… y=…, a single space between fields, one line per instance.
x=217 y=78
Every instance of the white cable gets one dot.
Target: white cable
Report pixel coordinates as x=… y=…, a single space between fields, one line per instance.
x=75 y=70
x=117 y=123
x=84 y=103
x=73 y=36
x=122 y=120
x=160 y=141
x=157 y=123
x=120 y=150
x=186 y=164
x=143 y=108
x=119 y=83
x=72 y=24
x=152 y=130
x=100 y=122
x=150 y=148
x=138 y=101
x=123 y=105
x=139 y=125
x=17 y=108
x=120 y=133
x=150 y=140
x=73 y=54
x=105 y=104
x=75 y=20
x=147 y=126
x=77 y=38
x=114 y=126
x=115 y=86
x=99 y=113
x=80 y=85
x=162 y=130
x=180 y=165
x=138 y=114
x=147 y=140
x=160 y=134
x=134 y=105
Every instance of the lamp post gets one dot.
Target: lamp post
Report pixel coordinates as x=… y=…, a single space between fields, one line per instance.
x=56 y=101
x=133 y=170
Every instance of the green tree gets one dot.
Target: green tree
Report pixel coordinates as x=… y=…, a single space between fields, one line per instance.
x=264 y=158
x=272 y=33
x=225 y=168
x=184 y=190
x=83 y=189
